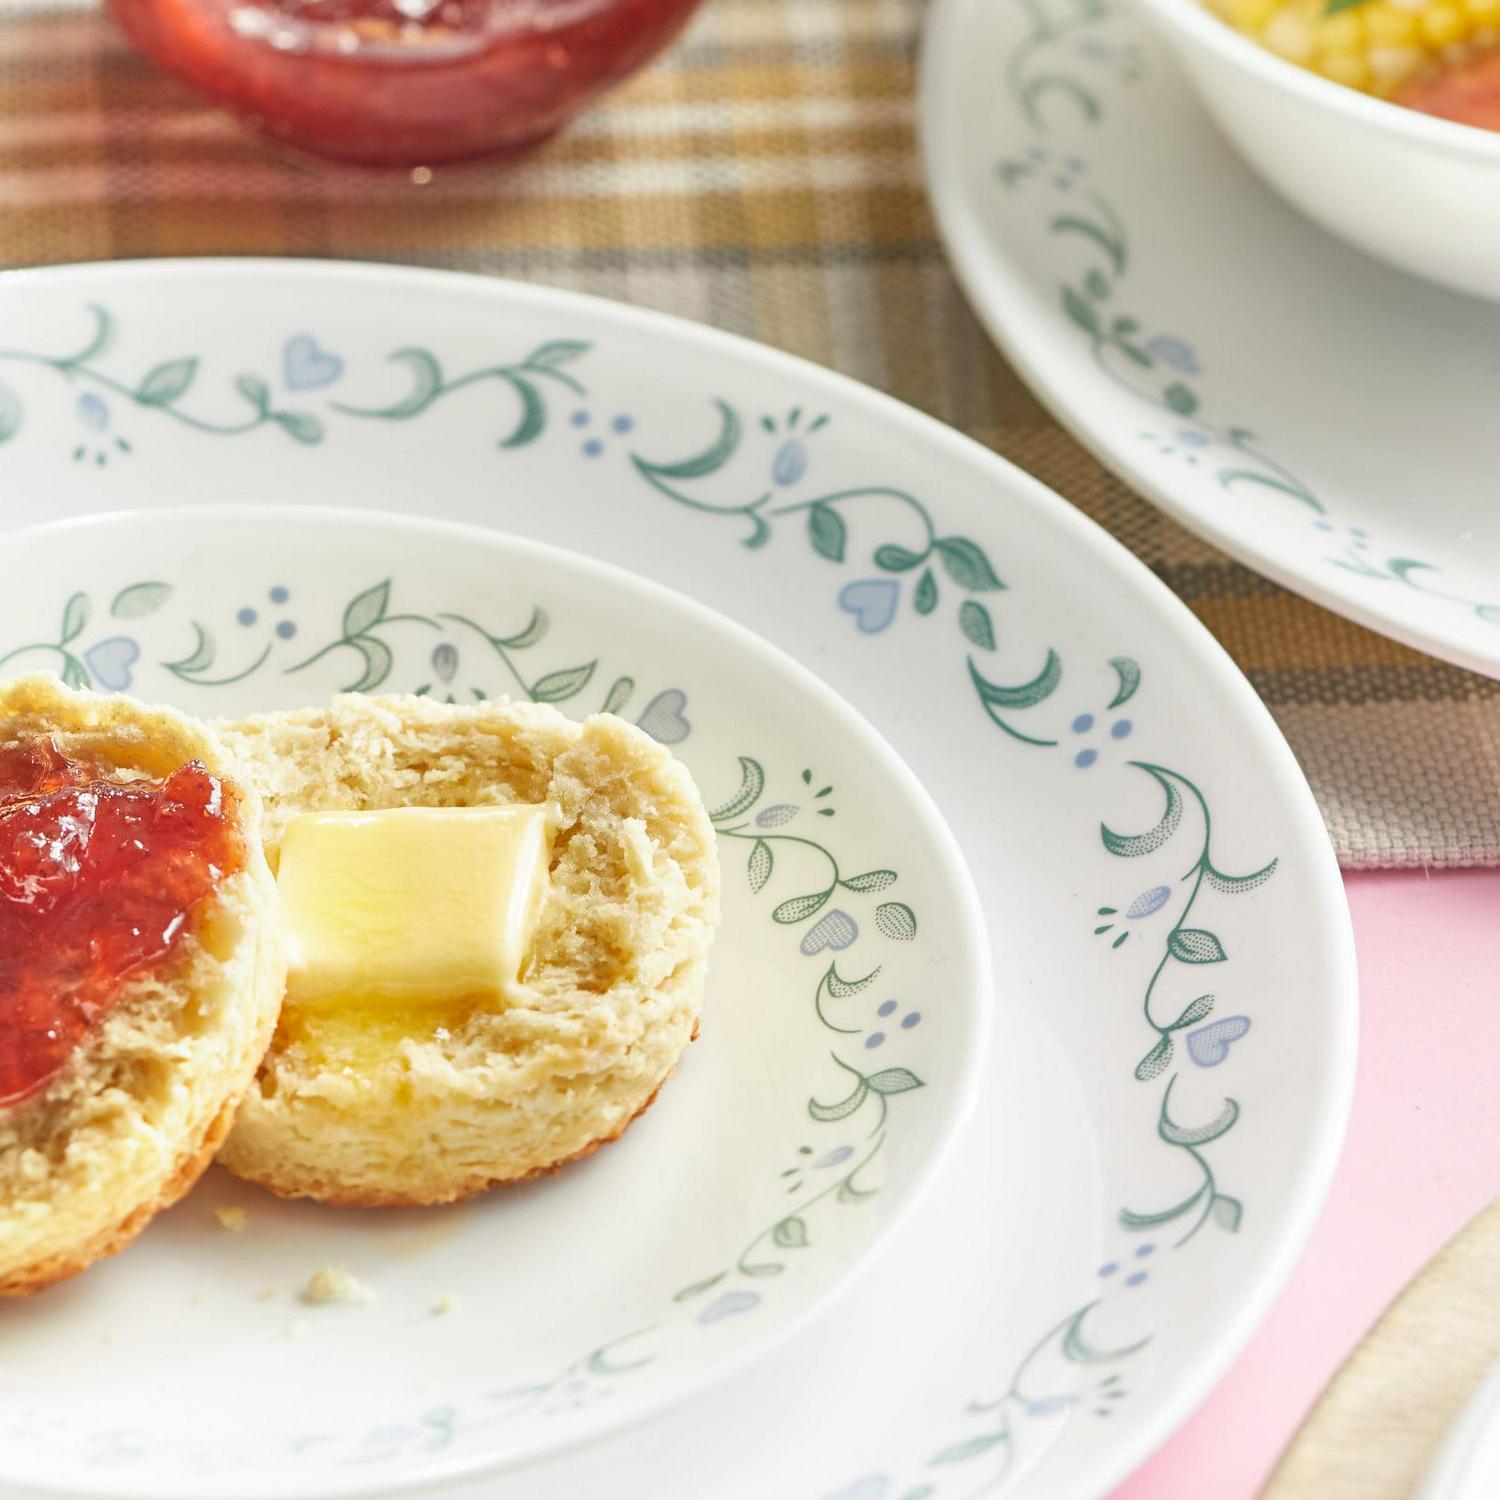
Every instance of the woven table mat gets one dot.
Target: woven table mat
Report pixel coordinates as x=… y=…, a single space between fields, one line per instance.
x=764 y=178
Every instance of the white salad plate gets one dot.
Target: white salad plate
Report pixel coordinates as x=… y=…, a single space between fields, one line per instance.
x=844 y=1029
x=1173 y=984
x=1321 y=416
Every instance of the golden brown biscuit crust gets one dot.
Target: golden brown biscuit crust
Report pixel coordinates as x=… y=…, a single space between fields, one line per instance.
x=140 y=1110
x=613 y=993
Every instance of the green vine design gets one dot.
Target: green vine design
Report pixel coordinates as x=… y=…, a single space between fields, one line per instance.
x=1008 y=705
x=552 y=687
x=75 y=619
x=1121 y=349
x=1225 y=1211
x=1124 y=354
x=1030 y=85
x=759 y=1258
x=165 y=386
x=1183 y=944
x=1004 y=704
x=1068 y=1340
x=428 y=384
x=364 y=615
x=731 y=820
x=922 y=547
x=577 y=1379
x=160 y=389
x=362 y=623
x=1406 y=570
x=896 y=921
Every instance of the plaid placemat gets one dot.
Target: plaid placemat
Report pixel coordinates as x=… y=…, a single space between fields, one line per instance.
x=763 y=178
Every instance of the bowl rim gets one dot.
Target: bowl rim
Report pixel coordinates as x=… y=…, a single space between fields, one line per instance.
x=1197 y=27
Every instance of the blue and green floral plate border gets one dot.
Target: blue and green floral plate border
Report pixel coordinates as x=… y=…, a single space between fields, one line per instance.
x=1176 y=1032
x=1157 y=298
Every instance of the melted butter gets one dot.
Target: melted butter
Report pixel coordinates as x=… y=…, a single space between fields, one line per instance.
x=361 y=1036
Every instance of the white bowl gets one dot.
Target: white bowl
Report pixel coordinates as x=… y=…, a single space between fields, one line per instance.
x=1420 y=192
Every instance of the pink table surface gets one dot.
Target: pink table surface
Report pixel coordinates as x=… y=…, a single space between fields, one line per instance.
x=1419 y=1160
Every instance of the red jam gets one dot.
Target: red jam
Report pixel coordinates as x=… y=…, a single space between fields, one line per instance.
x=98 y=882
x=404 y=82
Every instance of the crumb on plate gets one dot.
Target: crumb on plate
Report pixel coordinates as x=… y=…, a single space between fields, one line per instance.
x=232 y=1218
x=335 y=1284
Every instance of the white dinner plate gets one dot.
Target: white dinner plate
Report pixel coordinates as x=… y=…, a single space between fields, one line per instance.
x=1322 y=417
x=1174 y=1010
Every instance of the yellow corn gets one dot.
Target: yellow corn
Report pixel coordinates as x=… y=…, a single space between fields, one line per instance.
x=1353 y=71
x=1342 y=35
x=1373 y=45
x=1389 y=26
x=1251 y=15
x=1443 y=25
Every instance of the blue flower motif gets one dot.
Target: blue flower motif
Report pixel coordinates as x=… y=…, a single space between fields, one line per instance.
x=728 y=1305
x=870 y=1487
x=777 y=815
x=1083 y=723
x=110 y=662
x=93 y=411
x=1050 y=1405
x=445 y=661
x=390 y=1434
x=1177 y=354
x=790 y=463
x=1149 y=901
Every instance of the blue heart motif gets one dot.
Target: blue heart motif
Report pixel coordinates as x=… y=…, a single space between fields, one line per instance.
x=727 y=1305
x=664 y=719
x=835 y=929
x=872 y=602
x=1209 y=1045
x=308 y=367
x=110 y=662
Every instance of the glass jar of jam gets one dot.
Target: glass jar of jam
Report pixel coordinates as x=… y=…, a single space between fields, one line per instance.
x=404 y=82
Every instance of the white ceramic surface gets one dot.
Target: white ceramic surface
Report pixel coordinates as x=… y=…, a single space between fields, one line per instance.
x=1321 y=417
x=1422 y=192
x=843 y=1031
x=1174 y=972
x=1467 y=1464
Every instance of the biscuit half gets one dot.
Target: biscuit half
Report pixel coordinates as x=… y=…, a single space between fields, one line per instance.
x=137 y=1112
x=609 y=1001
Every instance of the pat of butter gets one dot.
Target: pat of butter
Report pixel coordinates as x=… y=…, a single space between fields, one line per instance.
x=413 y=904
